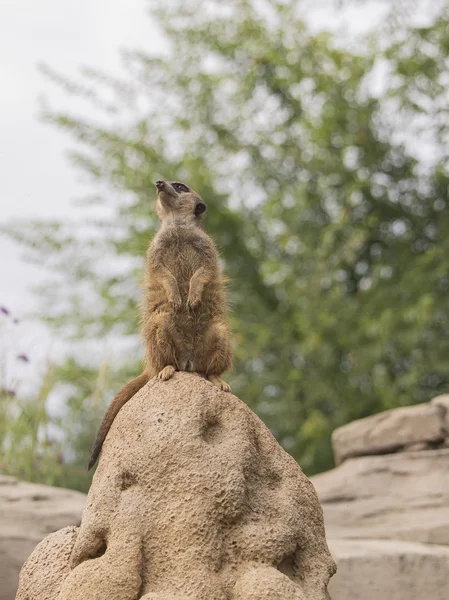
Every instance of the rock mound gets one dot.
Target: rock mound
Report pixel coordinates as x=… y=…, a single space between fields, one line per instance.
x=192 y=498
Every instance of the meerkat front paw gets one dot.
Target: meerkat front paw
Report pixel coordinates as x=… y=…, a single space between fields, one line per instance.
x=176 y=302
x=193 y=301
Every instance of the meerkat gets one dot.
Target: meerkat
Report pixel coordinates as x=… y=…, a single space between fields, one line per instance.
x=184 y=320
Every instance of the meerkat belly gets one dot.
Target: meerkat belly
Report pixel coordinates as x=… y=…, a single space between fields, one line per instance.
x=190 y=328
x=184 y=252
x=183 y=266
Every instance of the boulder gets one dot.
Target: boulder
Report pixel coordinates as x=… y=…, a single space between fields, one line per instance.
x=387 y=515
x=389 y=570
x=28 y=513
x=390 y=431
x=402 y=496
x=192 y=498
x=443 y=402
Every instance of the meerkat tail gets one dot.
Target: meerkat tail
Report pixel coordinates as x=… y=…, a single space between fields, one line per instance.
x=125 y=394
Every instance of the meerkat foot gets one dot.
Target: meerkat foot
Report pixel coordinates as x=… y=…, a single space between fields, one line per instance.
x=219 y=383
x=166 y=373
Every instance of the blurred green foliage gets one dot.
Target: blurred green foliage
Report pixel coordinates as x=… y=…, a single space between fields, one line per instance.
x=334 y=235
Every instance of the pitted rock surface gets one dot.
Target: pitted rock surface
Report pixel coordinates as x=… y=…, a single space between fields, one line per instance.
x=192 y=498
x=43 y=573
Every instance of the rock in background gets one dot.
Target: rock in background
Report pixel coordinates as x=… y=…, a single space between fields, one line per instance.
x=386 y=506
x=28 y=513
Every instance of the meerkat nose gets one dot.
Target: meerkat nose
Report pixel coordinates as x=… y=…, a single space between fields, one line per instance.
x=159 y=184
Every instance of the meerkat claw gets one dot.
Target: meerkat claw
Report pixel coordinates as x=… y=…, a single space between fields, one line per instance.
x=176 y=303
x=219 y=383
x=166 y=373
x=193 y=303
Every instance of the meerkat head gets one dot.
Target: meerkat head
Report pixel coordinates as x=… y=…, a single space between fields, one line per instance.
x=175 y=199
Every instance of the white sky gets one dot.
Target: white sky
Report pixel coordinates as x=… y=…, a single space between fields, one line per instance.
x=36 y=178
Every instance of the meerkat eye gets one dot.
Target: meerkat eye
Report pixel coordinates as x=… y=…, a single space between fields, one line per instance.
x=180 y=187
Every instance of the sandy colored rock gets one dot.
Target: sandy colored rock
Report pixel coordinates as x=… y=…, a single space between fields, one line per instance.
x=194 y=499
x=267 y=583
x=403 y=496
x=51 y=556
x=389 y=570
x=389 y=431
x=417 y=447
x=387 y=515
x=28 y=513
x=443 y=402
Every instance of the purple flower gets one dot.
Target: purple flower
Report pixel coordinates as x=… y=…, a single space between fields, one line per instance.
x=4 y=310
x=23 y=357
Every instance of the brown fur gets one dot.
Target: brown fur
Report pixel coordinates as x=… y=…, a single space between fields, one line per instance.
x=184 y=314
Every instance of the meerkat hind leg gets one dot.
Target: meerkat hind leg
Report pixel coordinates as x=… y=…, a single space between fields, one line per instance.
x=219 y=383
x=166 y=373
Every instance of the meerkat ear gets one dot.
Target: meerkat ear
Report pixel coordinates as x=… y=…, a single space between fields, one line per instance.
x=199 y=208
